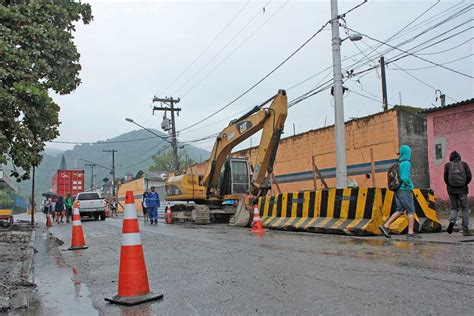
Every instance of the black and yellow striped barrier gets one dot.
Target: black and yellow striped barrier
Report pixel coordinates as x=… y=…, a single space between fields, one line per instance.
x=337 y=211
x=344 y=211
x=426 y=219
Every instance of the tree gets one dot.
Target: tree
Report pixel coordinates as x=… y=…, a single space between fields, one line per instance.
x=37 y=54
x=164 y=161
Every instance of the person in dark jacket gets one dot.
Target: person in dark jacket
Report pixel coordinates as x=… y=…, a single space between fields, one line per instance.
x=457 y=176
x=144 y=207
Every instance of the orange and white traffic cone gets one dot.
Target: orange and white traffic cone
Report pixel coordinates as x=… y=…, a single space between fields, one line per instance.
x=77 y=239
x=169 y=219
x=133 y=288
x=257 y=226
x=48 y=221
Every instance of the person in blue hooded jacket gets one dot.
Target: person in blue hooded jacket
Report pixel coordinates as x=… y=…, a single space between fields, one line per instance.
x=403 y=196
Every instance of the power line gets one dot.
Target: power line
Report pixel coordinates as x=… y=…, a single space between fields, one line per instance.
x=221 y=50
x=234 y=50
x=207 y=47
x=445 y=63
x=260 y=81
x=449 y=49
x=99 y=142
x=411 y=54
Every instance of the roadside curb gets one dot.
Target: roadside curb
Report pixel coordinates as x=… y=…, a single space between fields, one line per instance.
x=30 y=252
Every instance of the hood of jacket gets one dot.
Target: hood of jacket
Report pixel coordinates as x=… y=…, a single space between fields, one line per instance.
x=454 y=156
x=405 y=153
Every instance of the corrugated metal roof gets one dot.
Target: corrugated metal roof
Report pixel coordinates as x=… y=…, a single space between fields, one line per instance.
x=448 y=106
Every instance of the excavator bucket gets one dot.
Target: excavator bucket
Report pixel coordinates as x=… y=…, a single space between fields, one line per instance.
x=241 y=218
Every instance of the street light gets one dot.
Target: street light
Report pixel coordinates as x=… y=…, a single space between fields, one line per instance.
x=146 y=129
x=353 y=38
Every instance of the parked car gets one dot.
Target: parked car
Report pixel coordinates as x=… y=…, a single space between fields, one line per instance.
x=91 y=205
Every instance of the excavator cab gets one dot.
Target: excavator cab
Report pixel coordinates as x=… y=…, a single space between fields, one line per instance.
x=234 y=177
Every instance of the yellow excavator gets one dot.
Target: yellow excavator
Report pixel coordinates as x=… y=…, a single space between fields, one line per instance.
x=229 y=187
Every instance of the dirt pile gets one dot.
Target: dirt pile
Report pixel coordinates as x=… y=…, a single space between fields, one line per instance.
x=15 y=261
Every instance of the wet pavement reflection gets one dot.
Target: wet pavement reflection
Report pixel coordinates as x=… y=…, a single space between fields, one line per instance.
x=59 y=291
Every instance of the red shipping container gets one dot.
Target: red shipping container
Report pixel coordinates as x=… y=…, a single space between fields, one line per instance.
x=68 y=181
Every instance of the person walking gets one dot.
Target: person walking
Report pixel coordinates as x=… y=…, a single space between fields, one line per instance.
x=68 y=204
x=403 y=195
x=144 y=207
x=153 y=203
x=457 y=176
x=59 y=209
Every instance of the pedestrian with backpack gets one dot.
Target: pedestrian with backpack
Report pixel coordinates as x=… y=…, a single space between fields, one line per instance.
x=399 y=180
x=457 y=176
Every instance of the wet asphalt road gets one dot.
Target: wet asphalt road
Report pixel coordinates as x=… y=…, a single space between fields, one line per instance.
x=216 y=269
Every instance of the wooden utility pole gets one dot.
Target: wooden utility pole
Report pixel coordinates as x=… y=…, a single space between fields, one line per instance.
x=33 y=198
x=384 y=84
x=112 y=151
x=318 y=173
x=372 y=167
x=92 y=165
x=174 y=143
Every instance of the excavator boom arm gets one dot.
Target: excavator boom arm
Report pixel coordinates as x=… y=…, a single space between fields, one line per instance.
x=270 y=120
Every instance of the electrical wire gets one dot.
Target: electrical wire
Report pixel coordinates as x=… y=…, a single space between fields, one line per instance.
x=449 y=49
x=234 y=50
x=258 y=82
x=207 y=47
x=445 y=63
x=221 y=50
x=411 y=54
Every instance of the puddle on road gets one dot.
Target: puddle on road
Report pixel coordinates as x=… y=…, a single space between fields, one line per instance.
x=59 y=290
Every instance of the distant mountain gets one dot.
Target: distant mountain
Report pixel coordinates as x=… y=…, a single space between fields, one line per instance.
x=53 y=151
x=134 y=151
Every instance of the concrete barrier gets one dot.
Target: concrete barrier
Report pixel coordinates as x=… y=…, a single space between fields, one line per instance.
x=426 y=219
x=345 y=211
x=338 y=211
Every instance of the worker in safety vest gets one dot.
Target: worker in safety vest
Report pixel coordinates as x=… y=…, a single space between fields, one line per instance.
x=153 y=203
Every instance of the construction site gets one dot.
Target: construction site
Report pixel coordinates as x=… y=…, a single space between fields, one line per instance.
x=241 y=158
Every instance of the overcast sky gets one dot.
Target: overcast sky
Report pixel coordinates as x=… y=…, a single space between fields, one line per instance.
x=134 y=50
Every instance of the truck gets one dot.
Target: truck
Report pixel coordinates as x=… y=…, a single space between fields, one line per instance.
x=229 y=188
x=91 y=205
x=68 y=181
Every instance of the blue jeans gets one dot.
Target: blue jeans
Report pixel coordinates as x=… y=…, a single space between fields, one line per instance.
x=153 y=213
x=404 y=201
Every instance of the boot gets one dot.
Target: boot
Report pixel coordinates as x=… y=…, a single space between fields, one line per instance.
x=466 y=232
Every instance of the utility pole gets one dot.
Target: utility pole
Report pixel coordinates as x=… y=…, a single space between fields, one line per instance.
x=92 y=165
x=384 y=84
x=112 y=151
x=174 y=143
x=341 y=165
x=33 y=198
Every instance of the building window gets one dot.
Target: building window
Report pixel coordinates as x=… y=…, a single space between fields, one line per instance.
x=439 y=151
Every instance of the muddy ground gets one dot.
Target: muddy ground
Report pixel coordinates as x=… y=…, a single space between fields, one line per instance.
x=16 y=253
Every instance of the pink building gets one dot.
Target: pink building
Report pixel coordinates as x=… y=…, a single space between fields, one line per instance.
x=449 y=128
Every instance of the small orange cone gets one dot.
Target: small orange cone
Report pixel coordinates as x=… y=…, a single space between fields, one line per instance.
x=77 y=239
x=169 y=219
x=257 y=226
x=133 y=288
x=48 y=221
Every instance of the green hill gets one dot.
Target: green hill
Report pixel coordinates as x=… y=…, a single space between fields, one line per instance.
x=134 y=151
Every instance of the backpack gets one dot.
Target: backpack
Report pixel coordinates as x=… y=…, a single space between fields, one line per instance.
x=393 y=177
x=457 y=174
